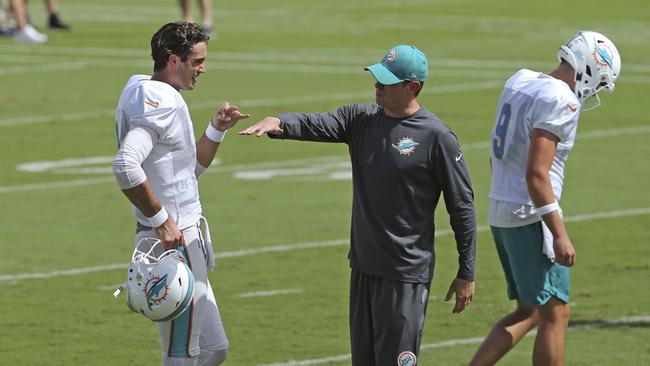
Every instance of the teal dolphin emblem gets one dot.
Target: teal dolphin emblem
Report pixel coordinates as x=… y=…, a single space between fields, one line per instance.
x=605 y=55
x=405 y=146
x=154 y=292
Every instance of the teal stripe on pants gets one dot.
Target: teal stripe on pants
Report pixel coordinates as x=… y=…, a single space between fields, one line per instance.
x=181 y=329
x=180 y=337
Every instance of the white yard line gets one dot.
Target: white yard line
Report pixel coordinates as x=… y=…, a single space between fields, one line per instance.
x=268 y=293
x=56 y=67
x=234 y=168
x=251 y=103
x=296 y=246
x=351 y=58
x=620 y=322
x=63 y=272
x=273 y=60
x=67 y=117
x=62 y=184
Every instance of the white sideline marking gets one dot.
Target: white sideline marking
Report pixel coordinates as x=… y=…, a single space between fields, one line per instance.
x=63 y=66
x=63 y=184
x=252 y=103
x=608 y=215
x=283 y=248
x=44 y=166
x=67 y=117
x=620 y=322
x=306 y=245
x=338 y=56
x=63 y=272
x=287 y=291
x=39 y=166
x=499 y=70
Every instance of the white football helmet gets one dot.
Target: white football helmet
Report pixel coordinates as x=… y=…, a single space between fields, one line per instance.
x=159 y=287
x=596 y=62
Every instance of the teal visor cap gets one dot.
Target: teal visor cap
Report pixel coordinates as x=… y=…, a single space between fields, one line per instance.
x=401 y=63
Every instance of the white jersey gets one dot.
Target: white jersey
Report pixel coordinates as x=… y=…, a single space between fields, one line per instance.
x=529 y=100
x=159 y=109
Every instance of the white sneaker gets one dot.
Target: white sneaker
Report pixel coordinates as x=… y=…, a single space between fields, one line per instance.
x=30 y=35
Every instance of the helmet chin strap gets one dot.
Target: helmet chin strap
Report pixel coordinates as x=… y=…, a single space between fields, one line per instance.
x=119 y=290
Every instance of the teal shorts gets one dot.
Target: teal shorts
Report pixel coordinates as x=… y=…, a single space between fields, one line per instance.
x=532 y=278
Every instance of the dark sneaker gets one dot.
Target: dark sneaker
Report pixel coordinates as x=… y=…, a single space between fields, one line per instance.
x=56 y=23
x=207 y=30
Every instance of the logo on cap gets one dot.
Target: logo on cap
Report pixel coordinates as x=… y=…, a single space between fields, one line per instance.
x=391 y=56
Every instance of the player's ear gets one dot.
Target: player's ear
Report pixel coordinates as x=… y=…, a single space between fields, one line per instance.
x=415 y=86
x=173 y=61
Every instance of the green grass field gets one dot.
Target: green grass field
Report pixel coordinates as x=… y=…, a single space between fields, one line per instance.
x=280 y=211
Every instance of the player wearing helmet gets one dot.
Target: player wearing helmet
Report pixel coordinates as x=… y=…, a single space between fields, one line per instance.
x=536 y=124
x=157 y=167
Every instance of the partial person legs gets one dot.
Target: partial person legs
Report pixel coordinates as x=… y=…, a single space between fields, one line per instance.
x=53 y=21
x=26 y=32
x=553 y=323
x=212 y=358
x=386 y=320
x=505 y=334
x=197 y=337
x=213 y=341
x=186 y=11
x=206 y=11
x=552 y=318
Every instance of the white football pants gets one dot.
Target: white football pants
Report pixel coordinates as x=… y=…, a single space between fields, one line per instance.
x=199 y=329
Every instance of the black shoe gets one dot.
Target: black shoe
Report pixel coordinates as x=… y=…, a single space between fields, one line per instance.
x=207 y=30
x=56 y=23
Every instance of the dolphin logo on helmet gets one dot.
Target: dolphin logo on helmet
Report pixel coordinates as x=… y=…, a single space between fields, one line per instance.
x=168 y=288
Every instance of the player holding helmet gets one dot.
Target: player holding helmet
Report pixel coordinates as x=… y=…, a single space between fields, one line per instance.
x=157 y=167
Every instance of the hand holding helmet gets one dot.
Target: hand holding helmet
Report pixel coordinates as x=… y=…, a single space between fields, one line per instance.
x=160 y=287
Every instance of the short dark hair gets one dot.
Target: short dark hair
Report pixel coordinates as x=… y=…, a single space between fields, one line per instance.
x=417 y=92
x=176 y=38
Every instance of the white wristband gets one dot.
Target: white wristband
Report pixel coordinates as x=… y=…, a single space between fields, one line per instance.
x=159 y=218
x=213 y=134
x=541 y=211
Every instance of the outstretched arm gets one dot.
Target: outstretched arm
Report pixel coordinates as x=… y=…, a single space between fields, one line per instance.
x=330 y=126
x=270 y=125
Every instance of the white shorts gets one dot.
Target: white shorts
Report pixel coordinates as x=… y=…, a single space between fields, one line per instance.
x=200 y=327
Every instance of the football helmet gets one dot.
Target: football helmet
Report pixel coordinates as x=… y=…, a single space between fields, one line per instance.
x=160 y=287
x=596 y=62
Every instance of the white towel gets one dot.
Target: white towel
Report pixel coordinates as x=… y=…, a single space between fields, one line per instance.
x=526 y=212
x=208 y=252
x=547 y=247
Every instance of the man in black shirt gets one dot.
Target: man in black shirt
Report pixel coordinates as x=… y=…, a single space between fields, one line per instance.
x=403 y=157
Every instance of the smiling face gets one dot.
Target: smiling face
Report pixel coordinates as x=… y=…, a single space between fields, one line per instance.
x=189 y=70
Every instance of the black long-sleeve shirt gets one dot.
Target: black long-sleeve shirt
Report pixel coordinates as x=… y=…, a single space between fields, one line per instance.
x=399 y=169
